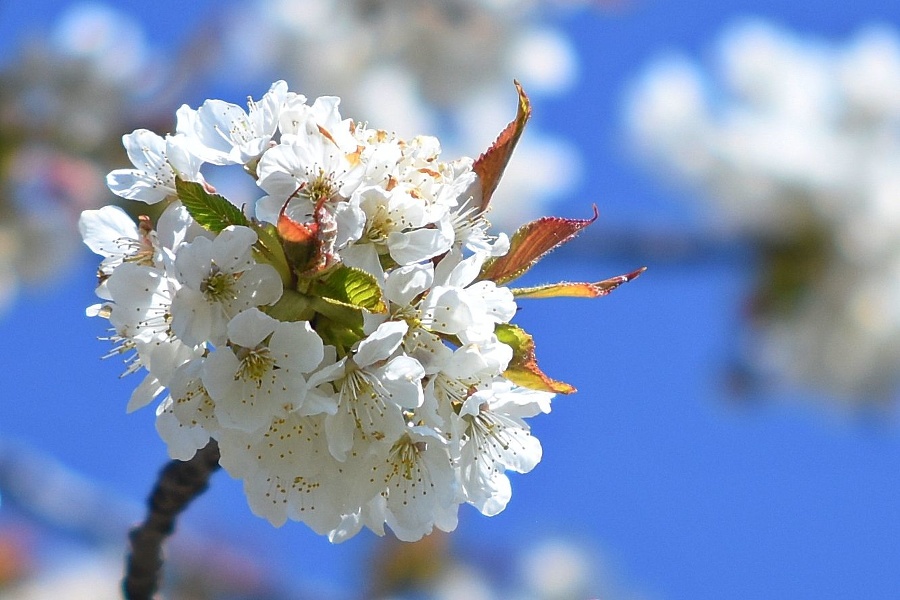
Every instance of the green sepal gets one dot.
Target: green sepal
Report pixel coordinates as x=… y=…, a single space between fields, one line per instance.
x=523 y=369
x=268 y=250
x=293 y=306
x=337 y=334
x=212 y=211
x=339 y=325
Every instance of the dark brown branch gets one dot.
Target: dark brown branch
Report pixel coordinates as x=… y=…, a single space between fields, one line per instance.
x=179 y=483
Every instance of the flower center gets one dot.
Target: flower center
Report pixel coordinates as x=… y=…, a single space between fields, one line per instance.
x=405 y=456
x=255 y=363
x=451 y=390
x=320 y=186
x=218 y=286
x=356 y=385
x=382 y=224
x=364 y=403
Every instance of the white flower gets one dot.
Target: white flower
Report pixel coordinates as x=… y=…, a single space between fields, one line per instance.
x=142 y=299
x=158 y=161
x=400 y=225
x=222 y=133
x=161 y=358
x=338 y=416
x=306 y=169
x=175 y=228
x=288 y=472
x=459 y=374
x=420 y=487
x=186 y=418
x=219 y=278
x=322 y=117
x=111 y=233
x=373 y=389
x=413 y=168
x=459 y=305
x=470 y=231
x=495 y=438
x=136 y=282
x=259 y=374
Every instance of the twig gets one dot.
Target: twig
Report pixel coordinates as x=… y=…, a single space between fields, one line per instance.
x=179 y=483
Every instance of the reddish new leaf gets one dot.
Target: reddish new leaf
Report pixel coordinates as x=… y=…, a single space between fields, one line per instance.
x=531 y=243
x=523 y=368
x=490 y=166
x=294 y=232
x=576 y=290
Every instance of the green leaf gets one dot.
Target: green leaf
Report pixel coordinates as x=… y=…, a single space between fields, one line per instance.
x=340 y=333
x=292 y=306
x=490 y=166
x=530 y=243
x=212 y=211
x=576 y=290
x=523 y=369
x=352 y=287
x=339 y=324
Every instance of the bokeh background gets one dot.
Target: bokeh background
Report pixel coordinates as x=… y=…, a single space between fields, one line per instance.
x=735 y=431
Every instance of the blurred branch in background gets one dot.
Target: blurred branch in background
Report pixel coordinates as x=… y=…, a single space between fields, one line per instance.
x=795 y=144
x=48 y=506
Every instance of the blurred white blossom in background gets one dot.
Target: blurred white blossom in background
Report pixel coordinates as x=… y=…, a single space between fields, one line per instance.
x=93 y=577
x=557 y=568
x=64 y=101
x=795 y=144
x=441 y=68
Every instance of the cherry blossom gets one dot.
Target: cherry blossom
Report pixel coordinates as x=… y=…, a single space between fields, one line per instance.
x=346 y=340
x=222 y=133
x=158 y=161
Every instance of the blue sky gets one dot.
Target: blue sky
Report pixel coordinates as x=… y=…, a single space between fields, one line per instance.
x=690 y=494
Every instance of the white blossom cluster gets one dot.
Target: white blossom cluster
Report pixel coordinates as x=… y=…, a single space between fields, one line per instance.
x=796 y=142
x=335 y=416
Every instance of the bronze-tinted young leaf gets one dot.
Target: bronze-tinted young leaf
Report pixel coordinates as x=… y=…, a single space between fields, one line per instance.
x=531 y=243
x=296 y=233
x=576 y=290
x=212 y=211
x=523 y=369
x=298 y=241
x=490 y=166
x=352 y=287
